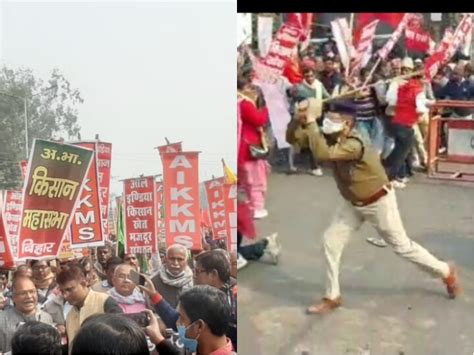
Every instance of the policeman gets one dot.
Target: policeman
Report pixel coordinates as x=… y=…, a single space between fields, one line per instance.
x=368 y=196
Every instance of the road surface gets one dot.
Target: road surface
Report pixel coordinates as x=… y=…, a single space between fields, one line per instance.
x=389 y=305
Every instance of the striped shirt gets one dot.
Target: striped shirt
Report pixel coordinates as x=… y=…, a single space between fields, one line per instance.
x=366 y=106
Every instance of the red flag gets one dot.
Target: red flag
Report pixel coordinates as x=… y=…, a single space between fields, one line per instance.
x=230 y=197
x=216 y=201
x=6 y=258
x=160 y=232
x=390 y=18
x=170 y=148
x=303 y=20
x=181 y=199
x=205 y=218
x=87 y=227
x=23 y=167
x=416 y=38
x=104 y=165
x=13 y=201
x=292 y=71
x=140 y=215
x=364 y=48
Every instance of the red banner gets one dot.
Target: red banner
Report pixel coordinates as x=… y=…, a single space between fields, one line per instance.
x=66 y=252
x=205 y=218
x=216 y=202
x=6 y=257
x=170 y=148
x=87 y=226
x=230 y=198
x=11 y=218
x=160 y=226
x=23 y=167
x=104 y=163
x=140 y=215
x=281 y=50
x=56 y=175
x=181 y=199
x=303 y=20
x=416 y=38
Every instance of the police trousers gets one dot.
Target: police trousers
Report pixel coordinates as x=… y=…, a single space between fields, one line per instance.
x=384 y=216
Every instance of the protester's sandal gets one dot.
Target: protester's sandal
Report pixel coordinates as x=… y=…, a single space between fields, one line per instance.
x=452 y=282
x=324 y=307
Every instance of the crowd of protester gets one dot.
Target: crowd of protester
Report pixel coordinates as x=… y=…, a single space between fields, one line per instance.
x=381 y=116
x=186 y=304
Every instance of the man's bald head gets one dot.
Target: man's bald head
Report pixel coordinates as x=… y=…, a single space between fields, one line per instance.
x=176 y=257
x=177 y=248
x=121 y=280
x=123 y=268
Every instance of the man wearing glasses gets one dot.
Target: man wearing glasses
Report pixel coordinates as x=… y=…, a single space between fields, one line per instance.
x=25 y=299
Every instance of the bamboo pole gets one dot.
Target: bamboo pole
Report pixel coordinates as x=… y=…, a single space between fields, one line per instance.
x=356 y=90
x=372 y=71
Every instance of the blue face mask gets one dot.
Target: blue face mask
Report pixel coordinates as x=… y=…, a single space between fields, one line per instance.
x=188 y=343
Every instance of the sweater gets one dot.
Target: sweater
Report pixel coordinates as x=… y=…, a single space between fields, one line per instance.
x=95 y=303
x=9 y=321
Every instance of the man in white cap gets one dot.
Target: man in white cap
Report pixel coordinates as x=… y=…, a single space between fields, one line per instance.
x=368 y=196
x=410 y=103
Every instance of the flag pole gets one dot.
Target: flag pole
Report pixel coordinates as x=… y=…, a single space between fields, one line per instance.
x=372 y=71
x=352 y=92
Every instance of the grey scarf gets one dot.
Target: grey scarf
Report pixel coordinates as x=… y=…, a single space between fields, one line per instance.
x=183 y=280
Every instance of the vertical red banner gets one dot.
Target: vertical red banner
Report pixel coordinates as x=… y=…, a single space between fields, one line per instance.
x=181 y=199
x=87 y=225
x=140 y=215
x=215 y=199
x=104 y=164
x=6 y=257
x=230 y=197
x=160 y=222
x=11 y=218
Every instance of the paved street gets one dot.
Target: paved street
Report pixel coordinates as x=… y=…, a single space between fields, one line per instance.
x=389 y=305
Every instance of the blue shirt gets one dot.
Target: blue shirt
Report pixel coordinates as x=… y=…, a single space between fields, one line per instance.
x=463 y=91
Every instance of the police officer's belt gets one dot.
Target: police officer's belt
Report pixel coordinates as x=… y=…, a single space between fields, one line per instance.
x=375 y=197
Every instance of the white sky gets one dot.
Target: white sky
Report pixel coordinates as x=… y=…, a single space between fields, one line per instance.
x=146 y=70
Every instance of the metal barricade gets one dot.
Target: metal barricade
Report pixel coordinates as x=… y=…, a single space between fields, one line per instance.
x=450 y=158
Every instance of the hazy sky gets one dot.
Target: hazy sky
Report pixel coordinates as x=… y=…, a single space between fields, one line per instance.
x=146 y=70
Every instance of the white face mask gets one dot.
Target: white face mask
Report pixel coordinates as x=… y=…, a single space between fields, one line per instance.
x=330 y=127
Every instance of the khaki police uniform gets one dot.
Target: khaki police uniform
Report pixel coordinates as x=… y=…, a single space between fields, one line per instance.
x=368 y=196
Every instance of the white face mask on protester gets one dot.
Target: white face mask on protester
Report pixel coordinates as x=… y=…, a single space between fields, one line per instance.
x=331 y=127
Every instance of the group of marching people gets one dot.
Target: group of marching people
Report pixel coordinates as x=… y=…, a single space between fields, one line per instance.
x=186 y=304
x=382 y=97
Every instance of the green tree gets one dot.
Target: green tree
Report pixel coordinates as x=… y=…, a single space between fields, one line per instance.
x=52 y=110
